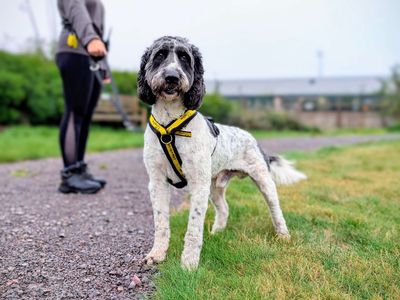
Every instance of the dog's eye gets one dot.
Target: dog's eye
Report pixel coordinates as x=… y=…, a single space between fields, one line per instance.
x=161 y=54
x=183 y=57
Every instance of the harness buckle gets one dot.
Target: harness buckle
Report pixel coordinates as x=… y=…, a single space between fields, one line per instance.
x=166 y=139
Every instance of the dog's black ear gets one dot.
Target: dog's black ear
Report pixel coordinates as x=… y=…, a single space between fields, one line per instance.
x=193 y=98
x=143 y=89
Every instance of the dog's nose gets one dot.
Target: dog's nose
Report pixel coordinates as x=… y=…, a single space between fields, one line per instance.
x=171 y=76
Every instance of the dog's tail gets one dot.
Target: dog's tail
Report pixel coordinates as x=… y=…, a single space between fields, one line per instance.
x=283 y=171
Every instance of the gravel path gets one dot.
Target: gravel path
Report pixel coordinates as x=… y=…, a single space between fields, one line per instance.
x=55 y=246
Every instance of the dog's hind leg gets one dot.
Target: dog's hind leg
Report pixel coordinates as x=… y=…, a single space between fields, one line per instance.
x=218 y=189
x=258 y=170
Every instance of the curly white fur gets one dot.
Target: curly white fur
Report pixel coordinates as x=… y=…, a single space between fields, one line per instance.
x=207 y=162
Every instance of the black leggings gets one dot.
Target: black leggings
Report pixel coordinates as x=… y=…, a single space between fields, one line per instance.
x=81 y=93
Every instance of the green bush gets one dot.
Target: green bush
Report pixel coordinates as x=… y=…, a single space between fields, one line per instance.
x=12 y=93
x=217 y=107
x=36 y=95
x=126 y=82
x=390 y=95
x=264 y=119
x=233 y=113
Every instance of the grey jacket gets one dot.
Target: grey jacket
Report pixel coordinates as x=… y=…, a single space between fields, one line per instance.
x=86 y=17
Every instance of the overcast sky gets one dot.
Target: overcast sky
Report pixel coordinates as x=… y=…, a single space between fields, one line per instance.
x=239 y=39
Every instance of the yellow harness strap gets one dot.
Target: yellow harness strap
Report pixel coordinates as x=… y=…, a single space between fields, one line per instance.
x=166 y=136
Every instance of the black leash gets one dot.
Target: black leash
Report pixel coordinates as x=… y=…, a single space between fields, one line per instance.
x=95 y=68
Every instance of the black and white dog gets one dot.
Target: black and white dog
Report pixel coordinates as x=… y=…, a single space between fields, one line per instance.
x=171 y=80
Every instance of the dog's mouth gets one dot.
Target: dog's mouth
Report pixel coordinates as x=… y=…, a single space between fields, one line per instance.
x=170 y=90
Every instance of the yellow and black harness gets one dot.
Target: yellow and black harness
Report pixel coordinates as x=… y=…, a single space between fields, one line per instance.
x=166 y=136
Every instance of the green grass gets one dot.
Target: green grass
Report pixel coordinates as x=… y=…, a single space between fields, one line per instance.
x=34 y=142
x=24 y=142
x=345 y=226
x=259 y=134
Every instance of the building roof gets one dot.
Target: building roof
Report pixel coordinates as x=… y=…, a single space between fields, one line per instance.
x=328 y=86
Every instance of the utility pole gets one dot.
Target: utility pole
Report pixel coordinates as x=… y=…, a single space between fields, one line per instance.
x=320 y=63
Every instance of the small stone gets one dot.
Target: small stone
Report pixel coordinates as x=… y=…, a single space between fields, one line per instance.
x=86 y=280
x=120 y=288
x=136 y=280
x=130 y=213
x=61 y=235
x=12 y=281
x=132 y=285
x=128 y=258
x=115 y=273
x=33 y=286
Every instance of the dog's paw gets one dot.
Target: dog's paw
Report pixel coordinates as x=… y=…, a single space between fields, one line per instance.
x=285 y=237
x=189 y=264
x=215 y=229
x=155 y=256
x=190 y=258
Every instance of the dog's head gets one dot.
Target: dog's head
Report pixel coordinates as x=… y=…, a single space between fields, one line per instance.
x=171 y=69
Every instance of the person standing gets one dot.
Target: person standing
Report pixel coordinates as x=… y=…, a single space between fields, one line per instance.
x=81 y=37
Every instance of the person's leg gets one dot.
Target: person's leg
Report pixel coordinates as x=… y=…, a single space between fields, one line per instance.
x=77 y=83
x=87 y=118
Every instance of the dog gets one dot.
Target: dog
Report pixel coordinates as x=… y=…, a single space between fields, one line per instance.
x=170 y=79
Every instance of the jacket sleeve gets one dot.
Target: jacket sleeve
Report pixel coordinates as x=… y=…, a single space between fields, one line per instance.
x=77 y=14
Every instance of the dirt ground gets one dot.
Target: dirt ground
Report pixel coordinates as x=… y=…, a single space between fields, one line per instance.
x=55 y=246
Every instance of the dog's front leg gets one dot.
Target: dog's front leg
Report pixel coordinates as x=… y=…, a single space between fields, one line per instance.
x=194 y=234
x=160 y=198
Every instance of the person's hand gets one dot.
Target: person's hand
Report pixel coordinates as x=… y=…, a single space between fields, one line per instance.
x=107 y=80
x=96 y=48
